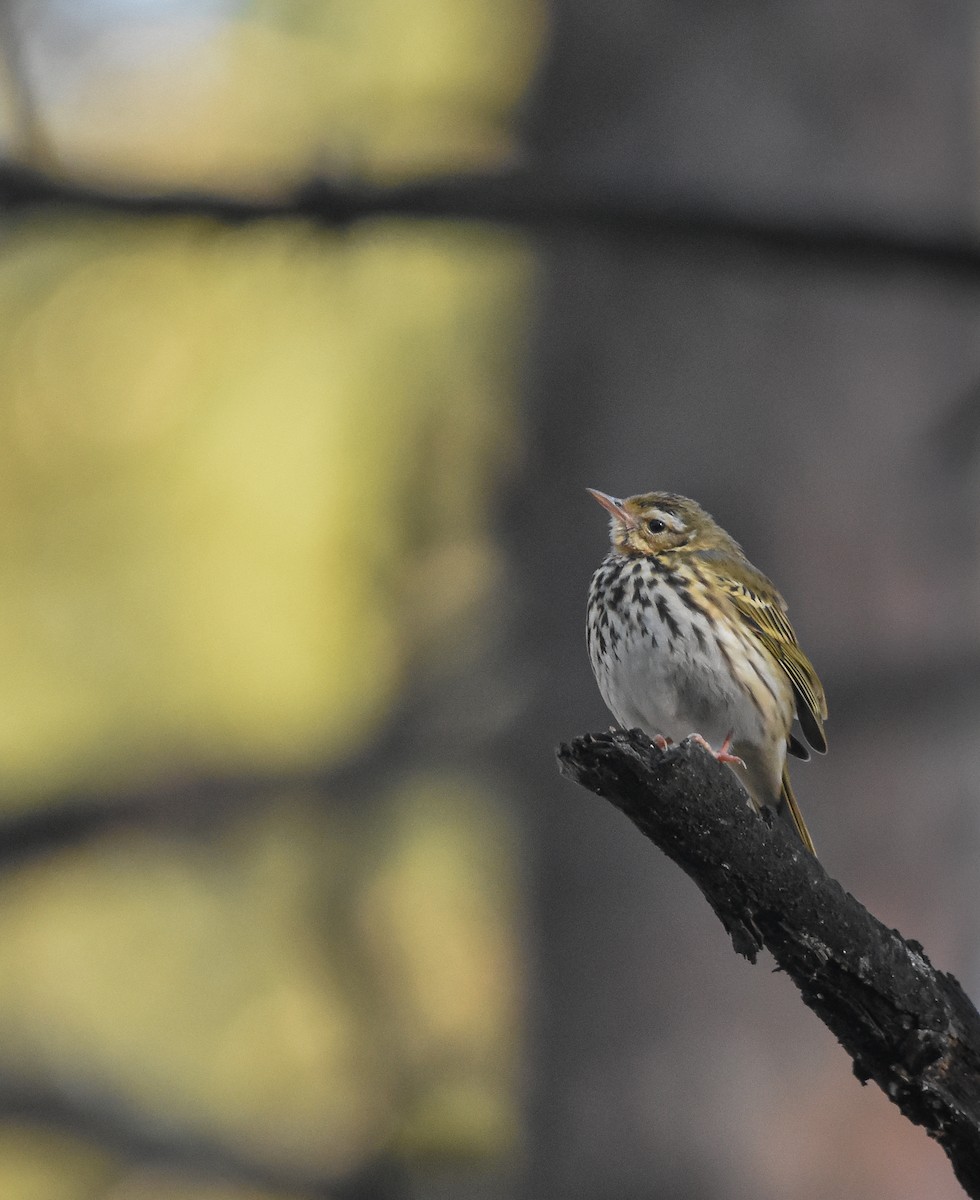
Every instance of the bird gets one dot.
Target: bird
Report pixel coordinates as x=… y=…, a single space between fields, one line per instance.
x=687 y=637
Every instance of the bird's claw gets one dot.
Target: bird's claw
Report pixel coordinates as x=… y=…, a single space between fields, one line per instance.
x=722 y=755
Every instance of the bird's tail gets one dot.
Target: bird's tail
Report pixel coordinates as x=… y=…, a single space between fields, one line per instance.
x=787 y=801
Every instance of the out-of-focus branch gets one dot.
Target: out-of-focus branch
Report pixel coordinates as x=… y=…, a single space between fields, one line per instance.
x=905 y=1024
x=531 y=199
x=195 y=798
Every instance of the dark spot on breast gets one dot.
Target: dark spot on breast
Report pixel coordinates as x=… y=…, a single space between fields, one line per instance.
x=663 y=611
x=688 y=600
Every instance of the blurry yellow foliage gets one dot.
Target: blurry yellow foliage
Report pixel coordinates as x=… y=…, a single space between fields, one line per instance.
x=438 y=920
x=173 y=1185
x=280 y=90
x=245 y=481
x=302 y=992
x=184 y=983
x=226 y=461
x=37 y=1164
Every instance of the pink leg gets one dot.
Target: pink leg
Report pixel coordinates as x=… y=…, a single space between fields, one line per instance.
x=660 y=742
x=724 y=755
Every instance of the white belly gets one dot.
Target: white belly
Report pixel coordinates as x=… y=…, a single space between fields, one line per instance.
x=670 y=692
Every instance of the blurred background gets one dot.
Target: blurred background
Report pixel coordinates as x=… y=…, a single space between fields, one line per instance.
x=294 y=547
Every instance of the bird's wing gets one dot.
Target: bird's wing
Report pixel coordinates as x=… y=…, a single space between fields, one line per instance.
x=771 y=625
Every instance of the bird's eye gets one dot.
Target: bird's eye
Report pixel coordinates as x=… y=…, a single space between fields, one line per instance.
x=656 y=525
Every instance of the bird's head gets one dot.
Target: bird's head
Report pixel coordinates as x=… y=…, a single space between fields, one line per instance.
x=659 y=521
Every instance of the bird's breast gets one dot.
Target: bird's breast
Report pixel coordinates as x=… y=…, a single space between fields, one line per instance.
x=671 y=660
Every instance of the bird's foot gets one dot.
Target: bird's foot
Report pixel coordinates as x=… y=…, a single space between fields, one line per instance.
x=660 y=741
x=724 y=754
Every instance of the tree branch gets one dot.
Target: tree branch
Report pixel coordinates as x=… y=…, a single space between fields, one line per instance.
x=528 y=199
x=906 y=1025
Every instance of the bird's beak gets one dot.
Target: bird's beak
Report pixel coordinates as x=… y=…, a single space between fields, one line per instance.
x=614 y=507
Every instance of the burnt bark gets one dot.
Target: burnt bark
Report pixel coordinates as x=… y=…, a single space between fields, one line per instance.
x=906 y=1025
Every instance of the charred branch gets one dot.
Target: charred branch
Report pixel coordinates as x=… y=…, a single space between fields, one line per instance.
x=905 y=1024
